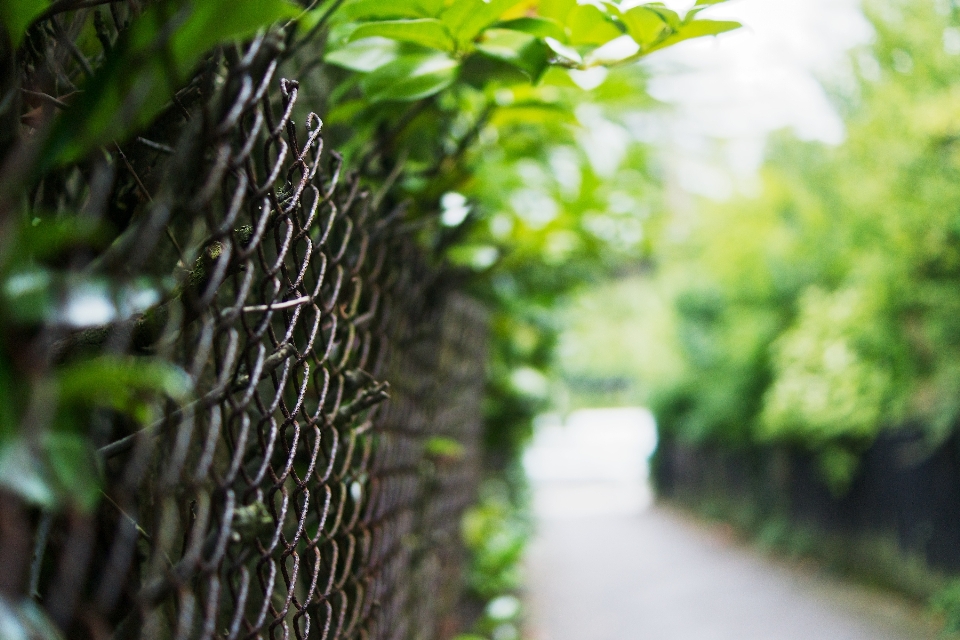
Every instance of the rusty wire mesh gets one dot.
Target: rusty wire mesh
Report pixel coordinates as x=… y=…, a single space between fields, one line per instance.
x=288 y=497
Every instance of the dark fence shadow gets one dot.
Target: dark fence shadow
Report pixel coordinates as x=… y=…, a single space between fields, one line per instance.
x=902 y=489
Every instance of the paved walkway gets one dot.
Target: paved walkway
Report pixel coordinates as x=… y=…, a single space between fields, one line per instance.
x=657 y=577
x=605 y=566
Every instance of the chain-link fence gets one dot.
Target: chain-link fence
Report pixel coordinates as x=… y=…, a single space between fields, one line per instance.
x=310 y=482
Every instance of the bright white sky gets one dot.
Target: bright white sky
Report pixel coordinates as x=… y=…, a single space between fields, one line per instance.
x=733 y=90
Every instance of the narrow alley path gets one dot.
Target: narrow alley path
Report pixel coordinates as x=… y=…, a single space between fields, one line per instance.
x=604 y=566
x=655 y=576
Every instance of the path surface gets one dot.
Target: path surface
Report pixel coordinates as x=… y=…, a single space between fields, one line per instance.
x=605 y=567
x=655 y=576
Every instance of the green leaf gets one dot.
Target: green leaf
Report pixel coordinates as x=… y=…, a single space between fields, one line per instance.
x=698 y=29
x=410 y=77
x=216 y=21
x=672 y=18
x=477 y=257
x=345 y=111
x=614 y=52
x=43 y=236
x=520 y=113
x=23 y=619
x=364 y=55
x=692 y=14
x=540 y=27
x=28 y=294
x=380 y=10
x=564 y=51
x=701 y=3
x=428 y=32
x=53 y=470
x=522 y=50
x=590 y=25
x=128 y=384
x=8 y=400
x=138 y=78
x=556 y=9
x=444 y=448
x=73 y=466
x=18 y=15
x=467 y=18
x=644 y=25
x=23 y=472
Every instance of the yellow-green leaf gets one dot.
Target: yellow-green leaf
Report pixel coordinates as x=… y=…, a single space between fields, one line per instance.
x=644 y=25
x=556 y=9
x=428 y=32
x=380 y=10
x=698 y=29
x=590 y=25
x=540 y=27
x=671 y=17
x=467 y=18
x=522 y=50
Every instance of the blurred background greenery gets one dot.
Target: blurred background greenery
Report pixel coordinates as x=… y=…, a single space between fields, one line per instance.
x=823 y=308
x=810 y=314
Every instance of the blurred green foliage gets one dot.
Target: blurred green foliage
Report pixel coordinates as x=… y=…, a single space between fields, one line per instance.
x=512 y=121
x=825 y=309
x=947 y=603
x=497 y=124
x=495 y=532
x=618 y=340
x=499 y=128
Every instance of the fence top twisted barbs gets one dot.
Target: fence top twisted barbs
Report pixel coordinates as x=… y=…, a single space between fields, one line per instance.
x=278 y=496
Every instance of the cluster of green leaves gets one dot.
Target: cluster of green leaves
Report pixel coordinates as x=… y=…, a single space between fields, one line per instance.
x=501 y=115
x=826 y=309
x=947 y=603
x=411 y=49
x=496 y=531
x=473 y=102
x=57 y=467
x=122 y=88
x=496 y=534
x=152 y=59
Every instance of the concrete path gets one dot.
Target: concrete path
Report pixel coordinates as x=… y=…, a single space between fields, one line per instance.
x=657 y=577
x=605 y=567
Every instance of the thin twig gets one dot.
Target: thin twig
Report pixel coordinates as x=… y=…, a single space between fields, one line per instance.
x=315 y=30
x=391 y=178
x=387 y=140
x=156 y=146
x=46 y=97
x=127 y=516
x=126 y=163
x=183 y=109
x=71 y=47
x=39 y=548
x=146 y=194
